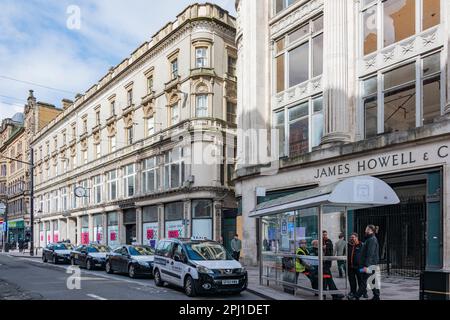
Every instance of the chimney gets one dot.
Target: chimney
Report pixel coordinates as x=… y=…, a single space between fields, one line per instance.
x=66 y=103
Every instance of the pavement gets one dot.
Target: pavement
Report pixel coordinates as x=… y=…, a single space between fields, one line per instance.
x=393 y=288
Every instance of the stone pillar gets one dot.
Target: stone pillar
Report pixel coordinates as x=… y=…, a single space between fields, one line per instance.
x=78 y=230
x=217 y=220
x=336 y=74
x=249 y=252
x=122 y=231
x=188 y=219
x=51 y=231
x=63 y=229
x=139 y=232
x=161 y=220
x=91 y=228
x=105 y=228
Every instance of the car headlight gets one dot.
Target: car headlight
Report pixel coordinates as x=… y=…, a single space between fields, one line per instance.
x=241 y=270
x=143 y=263
x=202 y=269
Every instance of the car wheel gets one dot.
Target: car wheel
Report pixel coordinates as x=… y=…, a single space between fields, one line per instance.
x=157 y=277
x=189 y=287
x=89 y=265
x=44 y=258
x=55 y=259
x=132 y=272
x=108 y=268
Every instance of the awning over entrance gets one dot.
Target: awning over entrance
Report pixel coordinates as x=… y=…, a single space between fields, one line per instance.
x=353 y=193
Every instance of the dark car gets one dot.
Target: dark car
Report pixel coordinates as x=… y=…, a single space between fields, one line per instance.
x=135 y=260
x=90 y=256
x=57 y=252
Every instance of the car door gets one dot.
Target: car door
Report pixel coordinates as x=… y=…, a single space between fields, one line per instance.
x=124 y=258
x=114 y=260
x=165 y=267
x=177 y=263
x=49 y=252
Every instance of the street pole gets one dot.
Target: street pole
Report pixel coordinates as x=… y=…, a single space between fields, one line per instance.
x=32 y=201
x=5 y=233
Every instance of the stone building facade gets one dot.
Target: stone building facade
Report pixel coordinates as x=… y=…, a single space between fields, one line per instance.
x=350 y=88
x=122 y=163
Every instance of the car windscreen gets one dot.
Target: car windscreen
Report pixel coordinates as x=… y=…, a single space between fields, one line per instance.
x=101 y=249
x=141 y=251
x=63 y=246
x=200 y=251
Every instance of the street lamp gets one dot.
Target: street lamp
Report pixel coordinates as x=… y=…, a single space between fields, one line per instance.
x=31 y=165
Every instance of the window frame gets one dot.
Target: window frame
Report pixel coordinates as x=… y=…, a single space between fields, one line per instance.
x=126 y=179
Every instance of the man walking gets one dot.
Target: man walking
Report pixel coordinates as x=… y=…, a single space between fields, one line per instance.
x=370 y=256
x=340 y=251
x=354 y=255
x=236 y=247
x=327 y=275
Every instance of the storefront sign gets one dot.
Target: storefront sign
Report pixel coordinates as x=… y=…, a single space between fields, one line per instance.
x=385 y=162
x=19 y=224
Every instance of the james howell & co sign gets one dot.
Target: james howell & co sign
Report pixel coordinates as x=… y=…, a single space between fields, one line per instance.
x=389 y=161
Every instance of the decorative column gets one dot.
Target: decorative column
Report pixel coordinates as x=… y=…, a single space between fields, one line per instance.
x=78 y=230
x=122 y=230
x=217 y=220
x=139 y=232
x=161 y=222
x=105 y=228
x=336 y=74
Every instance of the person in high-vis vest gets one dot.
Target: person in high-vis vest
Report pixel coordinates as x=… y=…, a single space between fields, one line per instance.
x=301 y=266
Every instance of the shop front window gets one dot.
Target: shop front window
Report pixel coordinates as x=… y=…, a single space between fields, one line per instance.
x=150 y=226
x=202 y=219
x=98 y=228
x=174 y=220
x=113 y=229
x=85 y=230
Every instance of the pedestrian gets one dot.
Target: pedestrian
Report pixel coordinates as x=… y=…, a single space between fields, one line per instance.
x=327 y=275
x=236 y=247
x=301 y=266
x=353 y=258
x=369 y=259
x=340 y=250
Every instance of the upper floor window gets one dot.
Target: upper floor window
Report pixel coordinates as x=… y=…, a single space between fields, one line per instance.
x=98 y=189
x=300 y=128
x=201 y=57
x=113 y=108
x=175 y=114
x=97 y=117
x=231 y=112
x=85 y=126
x=130 y=135
x=130 y=97
x=299 y=55
x=174 y=68
x=129 y=180
x=112 y=185
x=174 y=169
x=98 y=150
x=150 y=84
x=112 y=143
x=150 y=175
x=201 y=106
x=150 y=126
x=232 y=66
x=386 y=22
x=280 y=5
x=402 y=107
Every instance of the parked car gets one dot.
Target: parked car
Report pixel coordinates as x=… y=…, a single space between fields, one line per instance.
x=90 y=256
x=135 y=260
x=198 y=266
x=57 y=252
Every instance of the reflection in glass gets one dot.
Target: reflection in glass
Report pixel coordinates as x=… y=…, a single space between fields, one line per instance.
x=299 y=64
x=370 y=30
x=399 y=20
x=431 y=13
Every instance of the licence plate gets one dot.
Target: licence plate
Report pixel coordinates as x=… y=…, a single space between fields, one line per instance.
x=228 y=282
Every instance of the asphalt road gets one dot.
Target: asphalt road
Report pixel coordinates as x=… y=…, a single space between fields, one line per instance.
x=30 y=278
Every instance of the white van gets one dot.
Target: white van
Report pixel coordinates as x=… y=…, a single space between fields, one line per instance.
x=199 y=266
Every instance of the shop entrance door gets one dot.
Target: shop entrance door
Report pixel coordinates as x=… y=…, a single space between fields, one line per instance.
x=401 y=235
x=229 y=231
x=130 y=233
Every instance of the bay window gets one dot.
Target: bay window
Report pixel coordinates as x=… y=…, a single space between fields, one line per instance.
x=411 y=96
x=129 y=180
x=386 y=22
x=201 y=57
x=299 y=55
x=201 y=106
x=174 y=169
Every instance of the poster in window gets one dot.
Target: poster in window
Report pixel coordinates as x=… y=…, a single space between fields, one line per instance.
x=202 y=228
x=113 y=235
x=98 y=234
x=174 y=229
x=151 y=233
x=55 y=236
x=84 y=235
x=49 y=237
x=41 y=236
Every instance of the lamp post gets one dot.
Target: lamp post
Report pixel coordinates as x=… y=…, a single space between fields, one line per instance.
x=31 y=168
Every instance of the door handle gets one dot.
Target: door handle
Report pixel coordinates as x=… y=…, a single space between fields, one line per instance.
x=171 y=263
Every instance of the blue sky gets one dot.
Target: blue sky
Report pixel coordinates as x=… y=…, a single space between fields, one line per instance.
x=36 y=46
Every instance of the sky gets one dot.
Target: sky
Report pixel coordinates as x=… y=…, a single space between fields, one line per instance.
x=44 y=47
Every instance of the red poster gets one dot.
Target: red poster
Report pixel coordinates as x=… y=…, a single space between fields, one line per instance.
x=85 y=238
x=113 y=236
x=42 y=237
x=99 y=237
x=173 y=234
x=150 y=234
x=55 y=238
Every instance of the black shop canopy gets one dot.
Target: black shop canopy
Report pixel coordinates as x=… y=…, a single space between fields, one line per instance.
x=352 y=193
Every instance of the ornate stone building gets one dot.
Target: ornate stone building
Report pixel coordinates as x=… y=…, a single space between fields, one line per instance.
x=347 y=88
x=128 y=161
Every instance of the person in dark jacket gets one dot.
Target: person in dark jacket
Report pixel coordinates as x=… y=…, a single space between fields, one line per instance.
x=353 y=260
x=369 y=259
x=328 y=282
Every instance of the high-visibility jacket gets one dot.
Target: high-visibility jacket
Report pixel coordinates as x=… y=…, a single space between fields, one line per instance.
x=299 y=267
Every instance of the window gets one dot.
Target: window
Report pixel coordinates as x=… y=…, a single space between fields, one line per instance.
x=174 y=69
x=150 y=84
x=231 y=112
x=232 y=66
x=280 y=5
x=113 y=108
x=299 y=55
x=174 y=220
x=85 y=156
x=174 y=114
x=130 y=97
x=150 y=126
x=64 y=138
x=85 y=126
x=98 y=151
x=130 y=133
x=74 y=131
x=400 y=19
x=174 y=169
x=202 y=222
x=97 y=117
x=201 y=58
x=201 y=106
x=98 y=186
x=300 y=128
x=150 y=175
x=129 y=180
x=402 y=107
x=112 y=144
x=55 y=205
x=64 y=203
x=112 y=185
